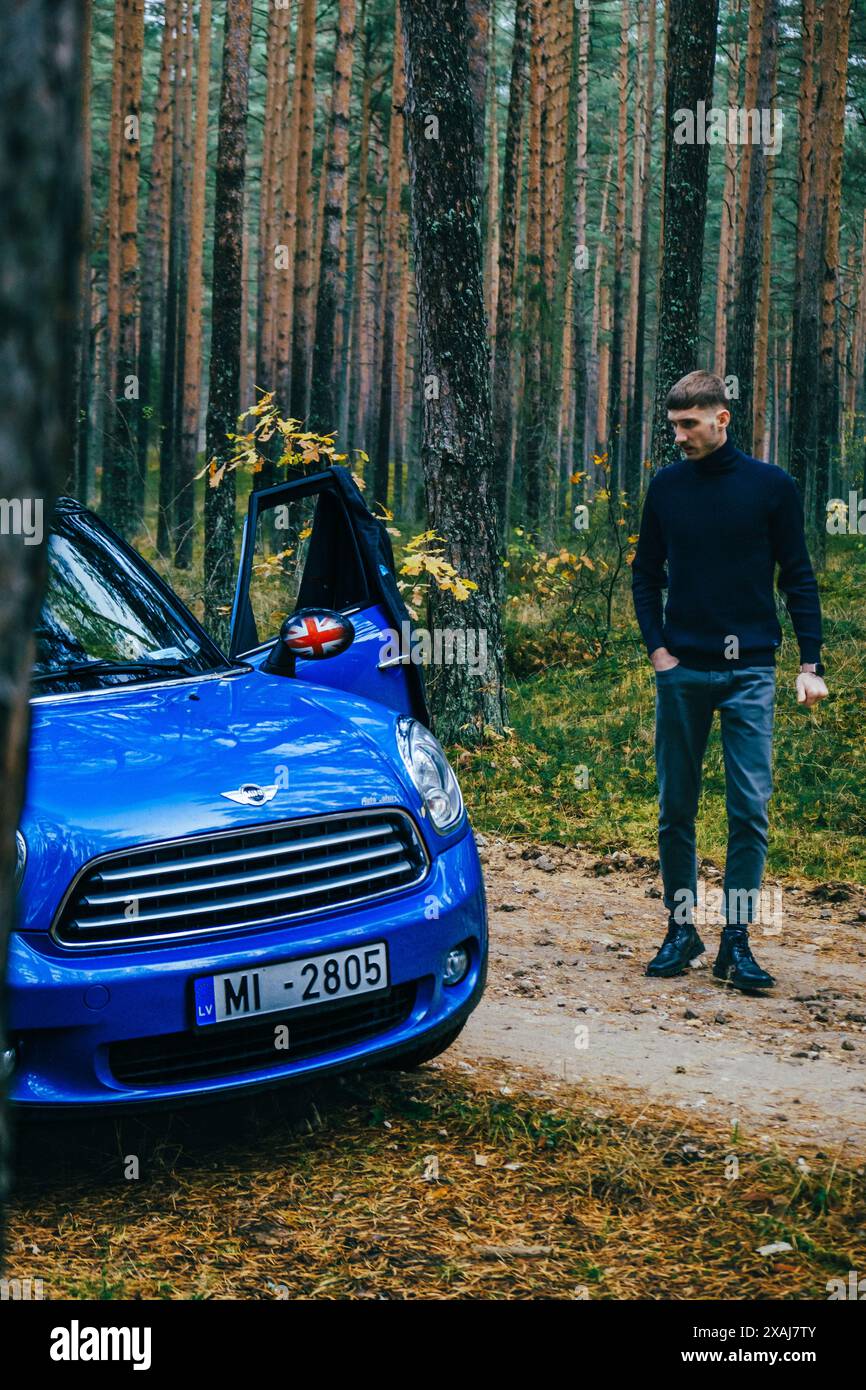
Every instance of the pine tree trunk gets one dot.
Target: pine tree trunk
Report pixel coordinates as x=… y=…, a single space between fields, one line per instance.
x=84 y=335
x=616 y=412
x=112 y=287
x=762 y=335
x=155 y=232
x=837 y=19
x=302 y=310
x=288 y=220
x=503 y=373
x=742 y=348
x=359 y=345
x=728 y=213
x=690 y=59
x=172 y=336
x=193 y=328
x=457 y=449
x=804 y=349
x=123 y=460
x=388 y=300
x=323 y=402
x=531 y=423
x=478 y=17
x=634 y=431
x=400 y=361
x=225 y=357
x=40 y=230
x=491 y=255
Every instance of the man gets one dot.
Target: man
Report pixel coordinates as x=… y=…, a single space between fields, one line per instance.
x=721 y=521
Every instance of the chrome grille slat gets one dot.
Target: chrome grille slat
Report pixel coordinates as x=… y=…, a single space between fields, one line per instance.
x=202 y=885
x=230 y=903
x=319 y=842
x=317 y=864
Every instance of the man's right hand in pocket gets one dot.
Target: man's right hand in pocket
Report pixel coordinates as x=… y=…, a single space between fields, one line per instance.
x=662 y=659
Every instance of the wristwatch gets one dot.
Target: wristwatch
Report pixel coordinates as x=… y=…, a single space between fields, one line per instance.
x=819 y=667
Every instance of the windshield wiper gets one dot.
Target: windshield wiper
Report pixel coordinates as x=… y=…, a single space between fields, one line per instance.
x=114 y=668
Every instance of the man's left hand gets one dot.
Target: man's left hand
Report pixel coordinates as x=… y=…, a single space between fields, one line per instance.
x=810 y=689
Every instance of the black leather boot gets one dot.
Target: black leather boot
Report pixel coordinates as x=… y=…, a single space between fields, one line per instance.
x=735 y=963
x=681 y=944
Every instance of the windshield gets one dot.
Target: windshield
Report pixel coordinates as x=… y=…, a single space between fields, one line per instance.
x=103 y=608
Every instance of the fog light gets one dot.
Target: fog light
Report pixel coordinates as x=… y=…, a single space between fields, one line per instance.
x=456 y=965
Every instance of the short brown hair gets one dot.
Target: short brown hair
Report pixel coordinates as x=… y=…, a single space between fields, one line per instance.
x=697 y=390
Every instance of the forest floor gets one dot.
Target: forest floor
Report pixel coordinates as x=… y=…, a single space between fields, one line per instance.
x=701 y=1144
x=571 y=933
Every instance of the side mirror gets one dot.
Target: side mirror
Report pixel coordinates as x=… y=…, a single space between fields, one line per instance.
x=313 y=633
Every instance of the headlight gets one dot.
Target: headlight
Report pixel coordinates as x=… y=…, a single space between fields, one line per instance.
x=21 y=859
x=431 y=773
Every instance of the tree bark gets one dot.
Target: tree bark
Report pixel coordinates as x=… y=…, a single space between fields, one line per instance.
x=40 y=230
x=690 y=59
x=302 y=306
x=741 y=362
x=388 y=299
x=225 y=358
x=123 y=460
x=634 y=429
x=153 y=247
x=457 y=448
x=323 y=403
x=193 y=327
x=503 y=376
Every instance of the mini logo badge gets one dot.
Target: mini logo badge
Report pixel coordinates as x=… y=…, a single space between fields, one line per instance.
x=250 y=794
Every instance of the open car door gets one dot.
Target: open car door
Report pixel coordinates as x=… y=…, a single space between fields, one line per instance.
x=313 y=543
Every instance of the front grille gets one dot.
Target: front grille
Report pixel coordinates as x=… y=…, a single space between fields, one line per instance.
x=171 y=1058
x=241 y=878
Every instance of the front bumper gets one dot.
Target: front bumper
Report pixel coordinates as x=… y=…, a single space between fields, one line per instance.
x=66 y=1010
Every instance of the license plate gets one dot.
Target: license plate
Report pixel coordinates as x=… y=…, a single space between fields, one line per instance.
x=293 y=984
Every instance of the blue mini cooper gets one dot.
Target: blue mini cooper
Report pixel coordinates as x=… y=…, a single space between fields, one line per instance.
x=235 y=870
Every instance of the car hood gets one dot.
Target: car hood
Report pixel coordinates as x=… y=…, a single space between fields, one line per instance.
x=125 y=767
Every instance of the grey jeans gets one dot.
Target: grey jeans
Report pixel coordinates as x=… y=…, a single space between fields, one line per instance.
x=685 y=702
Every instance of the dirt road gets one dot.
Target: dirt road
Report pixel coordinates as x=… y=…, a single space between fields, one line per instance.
x=570 y=937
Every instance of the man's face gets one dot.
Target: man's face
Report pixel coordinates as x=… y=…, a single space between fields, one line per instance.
x=698 y=431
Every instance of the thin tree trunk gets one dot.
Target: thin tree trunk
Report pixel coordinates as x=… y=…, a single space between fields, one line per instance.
x=728 y=213
x=323 y=402
x=762 y=336
x=123 y=461
x=171 y=348
x=478 y=17
x=532 y=425
x=615 y=415
x=193 y=329
x=155 y=234
x=837 y=19
x=112 y=291
x=359 y=286
x=390 y=286
x=742 y=347
x=302 y=312
x=690 y=59
x=634 y=434
x=84 y=336
x=225 y=358
x=503 y=374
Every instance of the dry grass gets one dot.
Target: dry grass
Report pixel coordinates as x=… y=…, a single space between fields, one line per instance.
x=335 y=1194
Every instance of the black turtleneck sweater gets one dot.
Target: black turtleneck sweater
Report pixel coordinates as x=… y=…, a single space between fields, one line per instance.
x=722 y=524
